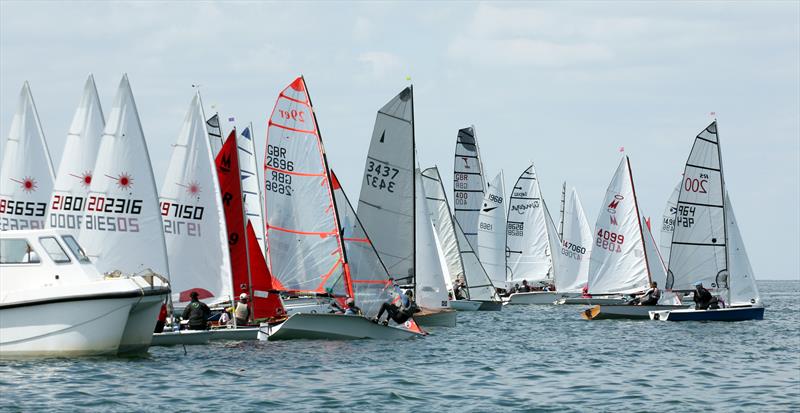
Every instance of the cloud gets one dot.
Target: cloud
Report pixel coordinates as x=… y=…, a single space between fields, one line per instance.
x=381 y=64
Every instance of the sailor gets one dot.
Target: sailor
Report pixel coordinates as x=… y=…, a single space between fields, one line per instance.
x=399 y=314
x=197 y=313
x=352 y=308
x=525 y=287
x=703 y=300
x=242 y=311
x=459 y=290
x=650 y=297
x=162 y=319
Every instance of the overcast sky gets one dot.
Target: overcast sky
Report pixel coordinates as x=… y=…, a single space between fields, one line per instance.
x=561 y=84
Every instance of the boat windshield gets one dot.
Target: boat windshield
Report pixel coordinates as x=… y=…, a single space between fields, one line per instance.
x=54 y=250
x=17 y=251
x=76 y=249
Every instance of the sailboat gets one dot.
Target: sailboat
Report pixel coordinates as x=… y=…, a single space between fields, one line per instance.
x=492 y=232
x=625 y=258
x=668 y=222
x=74 y=176
x=469 y=185
x=570 y=255
x=122 y=231
x=706 y=243
x=304 y=238
x=460 y=260
x=214 y=134
x=393 y=210
x=251 y=187
x=26 y=175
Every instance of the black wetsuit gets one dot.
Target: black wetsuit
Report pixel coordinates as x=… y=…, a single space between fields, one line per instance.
x=399 y=314
x=197 y=313
x=651 y=297
x=702 y=299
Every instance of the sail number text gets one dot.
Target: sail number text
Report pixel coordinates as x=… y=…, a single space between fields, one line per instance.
x=609 y=240
x=685 y=216
x=381 y=176
x=696 y=185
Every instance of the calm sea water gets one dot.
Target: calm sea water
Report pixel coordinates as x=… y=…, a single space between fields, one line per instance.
x=537 y=358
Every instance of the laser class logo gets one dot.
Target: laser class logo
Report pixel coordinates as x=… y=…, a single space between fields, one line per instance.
x=612 y=208
x=124 y=180
x=85 y=178
x=28 y=184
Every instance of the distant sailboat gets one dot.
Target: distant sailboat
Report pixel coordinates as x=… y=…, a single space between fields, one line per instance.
x=394 y=212
x=214 y=133
x=668 y=222
x=26 y=175
x=492 y=232
x=68 y=202
x=707 y=246
x=251 y=186
x=469 y=184
x=461 y=261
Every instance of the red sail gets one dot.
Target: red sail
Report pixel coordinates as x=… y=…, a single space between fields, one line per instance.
x=266 y=301
x=230 y=184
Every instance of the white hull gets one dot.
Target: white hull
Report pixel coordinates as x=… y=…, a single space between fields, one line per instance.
x=605 y=300
x=191 y=337
x=142 y=319
x=331 y=327
x=465 y=305
x=439 y=318
x=627 y=312
x=538 y=297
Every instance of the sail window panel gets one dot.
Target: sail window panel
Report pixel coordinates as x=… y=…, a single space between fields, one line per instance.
x=299 y=263
x=54 y=250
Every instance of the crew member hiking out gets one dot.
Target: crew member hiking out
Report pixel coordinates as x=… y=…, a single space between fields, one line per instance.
x=399 y=314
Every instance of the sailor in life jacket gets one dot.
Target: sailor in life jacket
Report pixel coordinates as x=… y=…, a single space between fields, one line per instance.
x=242 y=311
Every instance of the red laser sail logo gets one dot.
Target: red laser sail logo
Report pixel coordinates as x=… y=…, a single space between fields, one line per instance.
x=28 y=184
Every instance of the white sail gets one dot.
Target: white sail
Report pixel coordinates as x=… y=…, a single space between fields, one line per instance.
x=655 y=263
x=443 y=223
x=553 y=244
x=469 y=184
x=492 y=232
x=386 y=203
x=75 y=171
x=122 y=228
x=26 y=175
x=193 y=215
x=576 y=247
x=214 y=134
x=429 y=282
x=528 y=237
x=251 y=187
x=698 y=250
x=479 y=285
x=303 y=236
x=743 y=289
x=618 y=262
x=370 y=280
x=668 y=222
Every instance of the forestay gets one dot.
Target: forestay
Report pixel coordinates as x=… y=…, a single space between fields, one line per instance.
x=469 y=184
x=386 y=202
x=26 y=175
x=698 y=250
x=303 y=243
x=528 y=237
x=576 y=247
x=214 y=133
x=74 y=176
x=429 y=283
x=251 y=189
x=122 y=228
x=618 y=262
x=369 y=278
x=492 y=232
x=668 y=222
x=194 y=219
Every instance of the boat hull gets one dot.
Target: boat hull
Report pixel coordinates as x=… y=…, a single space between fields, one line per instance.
x=192 y=337
x=626 y=312
x=491 y=306
x=537 y=297
x=331 y=327
x=722 y=314
x=81 y=327
x=592 y=301
x=439 y=318
x=138 y=333
x=465 y=305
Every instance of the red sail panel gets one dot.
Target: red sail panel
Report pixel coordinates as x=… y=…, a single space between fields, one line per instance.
x=266 y=300
x=230 y=185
